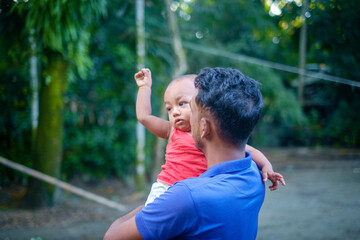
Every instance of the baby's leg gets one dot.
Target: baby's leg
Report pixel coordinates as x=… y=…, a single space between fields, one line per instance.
x=157 y=189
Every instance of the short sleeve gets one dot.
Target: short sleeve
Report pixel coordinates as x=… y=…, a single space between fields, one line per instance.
x=170 y=215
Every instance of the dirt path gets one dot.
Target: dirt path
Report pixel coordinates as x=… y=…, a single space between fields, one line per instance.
x=321 y=201
x=73 y=218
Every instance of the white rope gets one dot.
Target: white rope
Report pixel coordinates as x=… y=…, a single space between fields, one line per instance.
x=61 y=184
x=261 y=62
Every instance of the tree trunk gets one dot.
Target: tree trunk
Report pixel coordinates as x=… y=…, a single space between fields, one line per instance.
x=34 y=83
x=140 y=176
x=48 y=146
x=302 y=54
x=181 y=63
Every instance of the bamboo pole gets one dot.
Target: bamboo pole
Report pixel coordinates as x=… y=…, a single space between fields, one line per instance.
x=63 y=185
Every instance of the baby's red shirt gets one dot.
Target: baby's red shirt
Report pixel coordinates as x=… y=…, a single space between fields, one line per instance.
x=182 y=159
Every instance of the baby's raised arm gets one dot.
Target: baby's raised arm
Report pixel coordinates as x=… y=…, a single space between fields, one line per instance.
x=143 y=78
x=155 y=125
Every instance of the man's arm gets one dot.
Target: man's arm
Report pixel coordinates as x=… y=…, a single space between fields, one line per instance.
x=266 y=168
x=155 y=125
x=124 y=228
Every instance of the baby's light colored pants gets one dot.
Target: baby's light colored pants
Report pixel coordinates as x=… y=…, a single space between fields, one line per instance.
x=157 y=189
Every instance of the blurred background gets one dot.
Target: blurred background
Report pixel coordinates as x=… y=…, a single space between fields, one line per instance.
x=67 y=91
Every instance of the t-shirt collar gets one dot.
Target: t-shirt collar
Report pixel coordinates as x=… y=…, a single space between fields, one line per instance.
x=229 y=166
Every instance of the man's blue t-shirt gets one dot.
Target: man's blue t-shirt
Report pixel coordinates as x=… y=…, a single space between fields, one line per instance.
x=222 y=203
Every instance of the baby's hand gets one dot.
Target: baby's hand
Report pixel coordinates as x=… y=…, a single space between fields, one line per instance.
x=143 y=78
x=274 y=177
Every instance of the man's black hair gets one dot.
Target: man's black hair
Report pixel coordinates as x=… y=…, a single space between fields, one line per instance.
x=233 y=99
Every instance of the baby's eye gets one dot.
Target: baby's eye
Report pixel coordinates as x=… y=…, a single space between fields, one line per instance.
x=182 y=104
x=168 y=109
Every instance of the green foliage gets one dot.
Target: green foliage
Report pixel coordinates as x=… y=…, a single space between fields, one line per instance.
x=241 y=27
x=64 y=27
x=100 y=122
x=334 y=123
x=334 y=44
x=334 y=36
x=100 y=115
x=15 y=124
x=99 y=138
x=344 y=128
x=281 y=113
x=99 y=151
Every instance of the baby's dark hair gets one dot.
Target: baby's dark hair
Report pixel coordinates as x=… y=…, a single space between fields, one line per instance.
x=233 y=100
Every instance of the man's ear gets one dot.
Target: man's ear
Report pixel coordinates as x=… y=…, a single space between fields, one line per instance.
x=205 y=127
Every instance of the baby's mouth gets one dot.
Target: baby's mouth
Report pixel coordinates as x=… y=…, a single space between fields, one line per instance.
x=179 y=121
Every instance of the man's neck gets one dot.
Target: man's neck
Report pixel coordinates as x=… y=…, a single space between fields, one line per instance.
x=222 y=152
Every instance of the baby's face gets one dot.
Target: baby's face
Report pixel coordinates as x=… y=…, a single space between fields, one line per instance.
x=177 y=103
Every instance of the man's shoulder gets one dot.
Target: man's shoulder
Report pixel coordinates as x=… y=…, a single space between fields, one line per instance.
x=223 y=179
x=191 y=183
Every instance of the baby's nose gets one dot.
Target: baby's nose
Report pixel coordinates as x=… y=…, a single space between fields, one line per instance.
x=176 y=111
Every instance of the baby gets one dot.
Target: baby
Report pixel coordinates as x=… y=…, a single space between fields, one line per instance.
x=182 y=158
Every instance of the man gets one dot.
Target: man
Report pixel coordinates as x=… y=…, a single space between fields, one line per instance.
x=224 y=202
